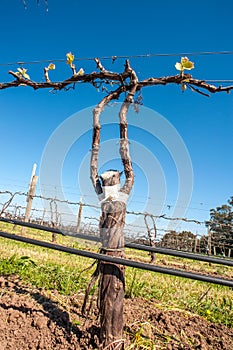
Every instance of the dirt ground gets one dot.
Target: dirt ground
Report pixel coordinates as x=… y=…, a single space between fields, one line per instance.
x=36 y=319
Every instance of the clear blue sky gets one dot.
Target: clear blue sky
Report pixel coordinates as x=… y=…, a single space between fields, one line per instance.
x=103 y=28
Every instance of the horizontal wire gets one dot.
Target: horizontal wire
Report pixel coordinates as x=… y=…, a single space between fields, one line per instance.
x=114 y=57
x=218 y=80
x=136 y=213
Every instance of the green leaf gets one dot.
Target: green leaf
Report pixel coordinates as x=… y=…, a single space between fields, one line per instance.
x=51 y=66
x=22 y=72
x=70 y=58
x=178 y=66
x=186 y=64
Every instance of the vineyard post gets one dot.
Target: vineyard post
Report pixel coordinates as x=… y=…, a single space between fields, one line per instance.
x=43 y=216
x=30 y=196
x=209 y=240
x=79 y=215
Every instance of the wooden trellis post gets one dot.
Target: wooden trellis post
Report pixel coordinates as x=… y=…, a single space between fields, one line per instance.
x=30 y=196
x=209 y=241
x=79 y=215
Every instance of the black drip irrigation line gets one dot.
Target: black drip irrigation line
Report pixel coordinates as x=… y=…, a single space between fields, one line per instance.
x=120 y=261
x=182 y=254
x=159 y=250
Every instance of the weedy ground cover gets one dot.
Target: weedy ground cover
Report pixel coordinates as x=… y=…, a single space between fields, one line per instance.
x=69 y=274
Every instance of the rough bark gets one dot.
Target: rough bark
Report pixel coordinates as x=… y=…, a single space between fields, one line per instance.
x=111 y=289
x=112 y=220
x=104 y=78
x=96 y=139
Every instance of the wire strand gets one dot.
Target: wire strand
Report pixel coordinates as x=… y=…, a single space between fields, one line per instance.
x=131 y=212
x=115 y=57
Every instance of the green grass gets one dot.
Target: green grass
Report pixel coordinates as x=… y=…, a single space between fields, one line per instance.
x=69 y=274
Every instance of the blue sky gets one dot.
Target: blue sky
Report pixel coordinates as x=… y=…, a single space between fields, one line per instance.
x=101 y=28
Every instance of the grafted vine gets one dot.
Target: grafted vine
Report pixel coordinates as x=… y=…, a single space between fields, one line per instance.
x=113 y=197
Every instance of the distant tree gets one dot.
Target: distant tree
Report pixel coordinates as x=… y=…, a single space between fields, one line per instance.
x=184 y=240
x=221 y=227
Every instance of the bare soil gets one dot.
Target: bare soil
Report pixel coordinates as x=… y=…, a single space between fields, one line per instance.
x=36 y=319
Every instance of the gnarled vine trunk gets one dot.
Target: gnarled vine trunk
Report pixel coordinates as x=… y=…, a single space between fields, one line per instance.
x=113 y=211
x=111 y=289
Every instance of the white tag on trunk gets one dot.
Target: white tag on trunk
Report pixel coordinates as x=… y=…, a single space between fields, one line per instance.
x=113 y=193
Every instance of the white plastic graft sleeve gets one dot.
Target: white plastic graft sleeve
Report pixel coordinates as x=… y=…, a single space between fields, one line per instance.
x=113 y=193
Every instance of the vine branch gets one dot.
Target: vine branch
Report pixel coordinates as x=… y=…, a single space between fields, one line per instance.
x=127 y=79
